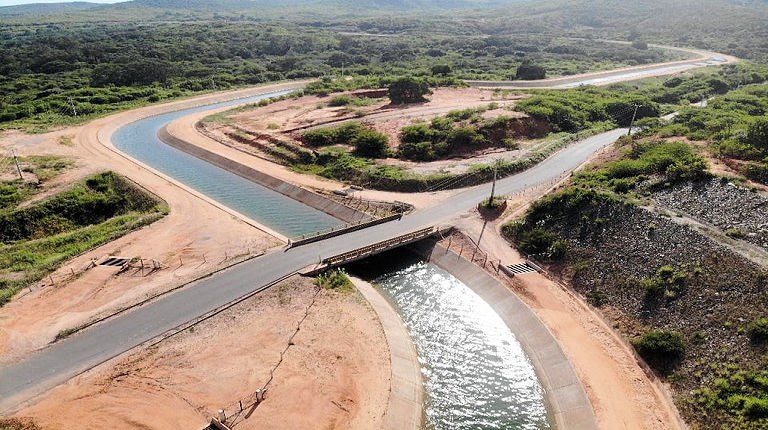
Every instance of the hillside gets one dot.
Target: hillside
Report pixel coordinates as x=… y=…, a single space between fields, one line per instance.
x=45 y=8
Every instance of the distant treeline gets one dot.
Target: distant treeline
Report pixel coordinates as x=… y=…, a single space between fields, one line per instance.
x=67 y=72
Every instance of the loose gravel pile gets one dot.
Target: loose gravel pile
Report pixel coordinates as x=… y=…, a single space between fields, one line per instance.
x=723 y=204
x=614 y=245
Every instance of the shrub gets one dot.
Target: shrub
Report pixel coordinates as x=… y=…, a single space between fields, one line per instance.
x=597 y=298
x=668 y=282
x=320 y=137
x=735 y=233
x=756 y=408
x=421 y=151
x=341 y=135
x=757 y=172
x=336 y=279
x=408 y=90
x=465 y=136
x=441 y=69
x=661 y=349
x=536 y=241
x=530 y=71
x=758 y=331
x=558 y=249
x=371 y=143
x=340 y=100
x=416 y=133
x=757 y=134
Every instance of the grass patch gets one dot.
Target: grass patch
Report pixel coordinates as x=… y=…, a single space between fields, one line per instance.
x=45 y=167
x=336 y=280
x=43 y=236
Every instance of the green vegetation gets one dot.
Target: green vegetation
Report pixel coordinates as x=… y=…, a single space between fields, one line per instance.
x=661 y=349
x=740 y=395
x=327 y=136
x=371 y=144
x=463 y=131
x=79 y=66
x=44 y=168
x=668 y=283
x=408 y=90
x=758 y=331
x=650 y=163
x=529 y=71
x=582 y=108
x=40 y=237
x=705 y=336
x=734 y=123
x=336 y=280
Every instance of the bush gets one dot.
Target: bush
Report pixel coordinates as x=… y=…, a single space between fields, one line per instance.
x=371 y=143
x=536 y=241
x=757 y=134
x=758 y=331
x=757 y=172
x=341 y=100
x=341 y=135
x=661 y=349
x=408 y=90
x=755 y=408
x=441 y=69
x=465 y=136
x=421 y=151
x=530 y=71
x=417 y=133
x=336 y=279
x=667 y=282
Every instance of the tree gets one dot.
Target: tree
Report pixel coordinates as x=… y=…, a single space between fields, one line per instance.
x=371 y=143
x=530 y=71
x=408 y=90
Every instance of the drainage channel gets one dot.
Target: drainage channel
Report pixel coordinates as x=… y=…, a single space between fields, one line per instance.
x=476 y=374
x=283 y=214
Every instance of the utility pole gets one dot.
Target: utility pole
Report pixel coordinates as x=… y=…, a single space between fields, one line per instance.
x=16 y=160
x=493 y=187
x=634 y=115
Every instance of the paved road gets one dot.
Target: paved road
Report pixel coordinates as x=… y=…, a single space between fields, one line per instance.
x=61 y=361
x=97 y=344
x=705 y=59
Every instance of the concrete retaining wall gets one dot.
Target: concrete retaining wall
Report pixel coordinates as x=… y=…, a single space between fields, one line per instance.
x=568 y=402
x=335 y=209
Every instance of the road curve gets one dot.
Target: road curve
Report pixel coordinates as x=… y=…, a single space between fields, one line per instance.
x=61 y=361
x=90 y=347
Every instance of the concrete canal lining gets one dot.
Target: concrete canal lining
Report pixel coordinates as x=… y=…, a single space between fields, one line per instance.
x=307 y=197
x=567 y=400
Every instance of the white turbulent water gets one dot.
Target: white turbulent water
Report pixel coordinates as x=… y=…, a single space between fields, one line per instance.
x=476 y=373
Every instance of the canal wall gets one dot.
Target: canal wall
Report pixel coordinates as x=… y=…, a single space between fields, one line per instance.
x=309 y=198
x=567 y=400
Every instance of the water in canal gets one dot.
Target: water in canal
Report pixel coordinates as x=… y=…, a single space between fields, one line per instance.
x=476 y=374
x=284 y=215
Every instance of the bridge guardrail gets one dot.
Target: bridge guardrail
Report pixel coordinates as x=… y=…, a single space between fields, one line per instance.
x=366 y=251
